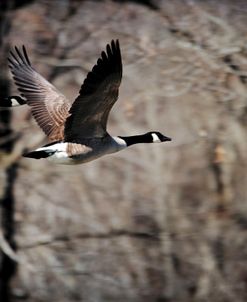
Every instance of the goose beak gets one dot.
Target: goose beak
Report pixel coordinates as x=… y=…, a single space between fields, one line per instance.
x=166 y=139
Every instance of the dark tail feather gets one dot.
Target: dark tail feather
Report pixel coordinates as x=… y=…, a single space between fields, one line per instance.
x=39 y=154
x=12 y=101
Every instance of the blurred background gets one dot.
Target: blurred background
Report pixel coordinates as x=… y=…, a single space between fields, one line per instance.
x=154 y=223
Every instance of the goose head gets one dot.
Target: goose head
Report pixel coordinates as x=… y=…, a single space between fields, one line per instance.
x=156 y=137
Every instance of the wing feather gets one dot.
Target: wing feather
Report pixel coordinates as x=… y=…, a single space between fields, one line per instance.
x=98 y=93
x=49 y=107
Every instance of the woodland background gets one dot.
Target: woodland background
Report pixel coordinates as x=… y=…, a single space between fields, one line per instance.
x=156 y=223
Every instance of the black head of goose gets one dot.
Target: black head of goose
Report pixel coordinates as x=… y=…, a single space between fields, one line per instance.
x=12 y=101
x=77 y=131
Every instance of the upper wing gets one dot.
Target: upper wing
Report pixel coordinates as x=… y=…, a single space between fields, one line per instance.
x=48 y=106
x=98 y=93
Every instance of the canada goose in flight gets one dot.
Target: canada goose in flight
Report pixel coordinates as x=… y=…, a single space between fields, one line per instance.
x=77 y=131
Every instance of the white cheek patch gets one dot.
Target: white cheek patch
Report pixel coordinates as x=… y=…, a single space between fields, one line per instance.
x=155 y=138
x=14 y=102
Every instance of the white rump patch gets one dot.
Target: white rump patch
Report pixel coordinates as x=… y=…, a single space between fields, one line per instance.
x=60 y=156
x=155 y=138
x=59 y=147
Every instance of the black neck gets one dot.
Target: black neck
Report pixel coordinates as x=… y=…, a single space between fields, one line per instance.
x=137 y=139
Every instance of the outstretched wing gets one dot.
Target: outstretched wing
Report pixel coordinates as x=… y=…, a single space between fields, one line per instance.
x=99 y=92
x=48 y=106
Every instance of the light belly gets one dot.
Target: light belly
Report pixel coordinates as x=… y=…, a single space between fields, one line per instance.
x=72 y=153
x=63 y=158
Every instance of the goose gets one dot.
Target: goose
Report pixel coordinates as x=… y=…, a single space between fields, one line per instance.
x=13 y=101
x=77 y=131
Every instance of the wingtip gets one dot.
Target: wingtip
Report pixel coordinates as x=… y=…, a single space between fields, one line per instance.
x=111 y=48
x=18 y=56
x=108 y=50
x=25 y=55
x=115 y=43
x=12 y=54
x=11 y=64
